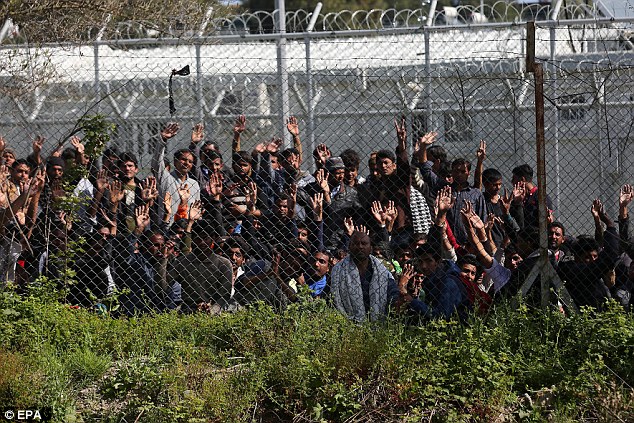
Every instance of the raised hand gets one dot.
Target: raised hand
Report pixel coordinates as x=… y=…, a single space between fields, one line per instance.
x=292 y=126
x=240 y=125
x=196 y=211
x=65 y=219
x=492 y=219
x=3 y=143
x=170 y=131
x=106 y=218
x=101 y=182
x=348 y=225
x=481 y=152
x=58 y=151
x=198 y=133
x=184 y=193
x=318 y=205
x=469 y=213
x=391 y=213
x=378 y=212
x=20 y=217
x=323 y=152
x=116 y=192
x=427 y=139
x=505 y=202
x=625 y=195
x=149 y=193
x=274 y=145
x=362 y=229
x=401 y=130
x=406 y=275
x=260 y=148
x=39 y=181
x=322 y=180
x=215 y=185
x=142 y=217
x=445 y=200
x=57 y=190
x=596 y=209
x=38 y=142
x=25 y=186
x=76 y=142
x=252 y=191
x=519 y=192
x=167 y=203
x=292 y=192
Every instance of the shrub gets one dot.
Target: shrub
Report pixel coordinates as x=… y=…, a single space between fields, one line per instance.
x=309 y=362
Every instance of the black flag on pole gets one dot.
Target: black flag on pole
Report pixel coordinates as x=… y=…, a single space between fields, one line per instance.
x=183 y=72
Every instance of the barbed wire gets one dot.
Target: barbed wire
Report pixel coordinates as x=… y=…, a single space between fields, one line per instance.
x=261 y=22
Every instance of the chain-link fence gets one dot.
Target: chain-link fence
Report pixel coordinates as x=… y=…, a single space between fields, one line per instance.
x=273 y=216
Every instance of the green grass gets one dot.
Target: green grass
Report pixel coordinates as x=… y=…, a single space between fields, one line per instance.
x=309 y=363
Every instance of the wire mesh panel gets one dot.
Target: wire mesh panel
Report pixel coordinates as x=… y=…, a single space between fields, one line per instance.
x=282 y=152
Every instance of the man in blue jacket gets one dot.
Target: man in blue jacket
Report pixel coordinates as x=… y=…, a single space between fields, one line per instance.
x=445 y=293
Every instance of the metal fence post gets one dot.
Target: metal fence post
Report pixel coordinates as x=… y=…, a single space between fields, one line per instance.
x=309 y=81
x=97 y=84
x=282 y=71
x=428 y=88
x=199 y=85
x=553 y=46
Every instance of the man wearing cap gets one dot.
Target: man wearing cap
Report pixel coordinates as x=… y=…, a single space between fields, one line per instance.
x=340 y=200
x=336 y=172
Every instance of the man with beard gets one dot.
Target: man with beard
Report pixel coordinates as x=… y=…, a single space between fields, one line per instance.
x=340 y=199
x=130 y=196
x=556 y=242
x=362 y=288
x=178 y=179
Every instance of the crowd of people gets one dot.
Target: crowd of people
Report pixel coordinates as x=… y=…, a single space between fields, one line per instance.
x=418 y=235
